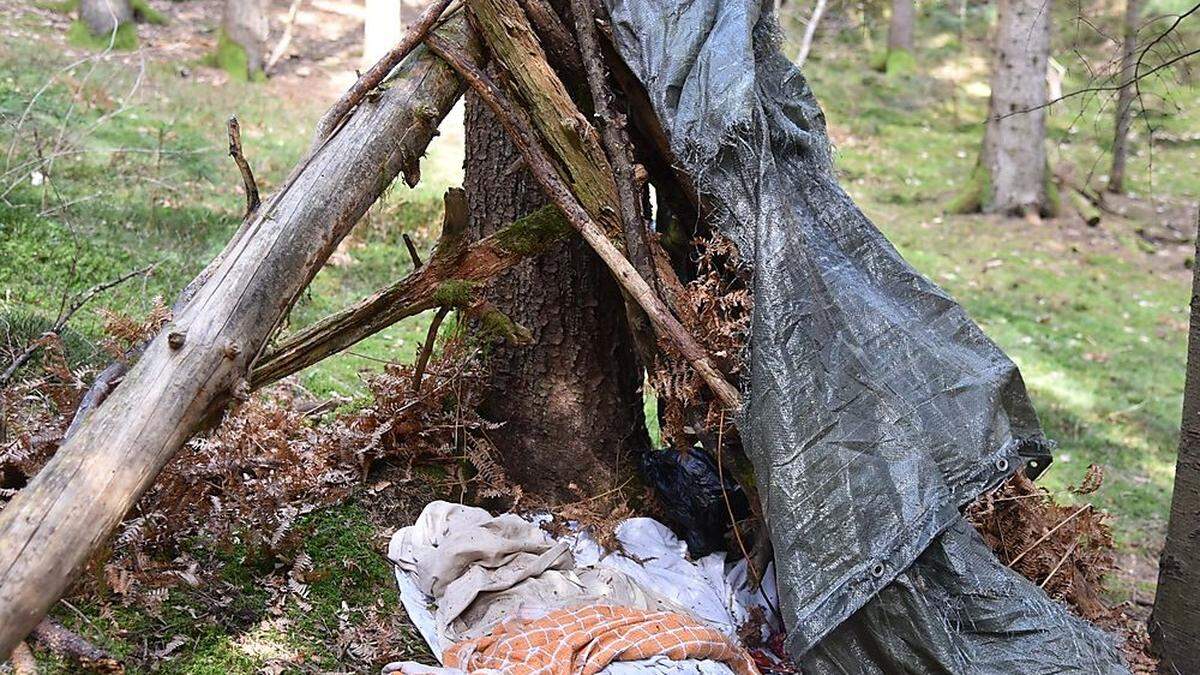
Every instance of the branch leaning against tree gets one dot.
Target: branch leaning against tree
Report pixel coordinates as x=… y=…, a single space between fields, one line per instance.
x=540 y=165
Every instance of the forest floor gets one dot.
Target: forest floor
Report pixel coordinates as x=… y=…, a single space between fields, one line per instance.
x=120 y=161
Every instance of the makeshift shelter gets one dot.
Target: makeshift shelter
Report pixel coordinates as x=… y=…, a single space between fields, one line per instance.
x=873 y=409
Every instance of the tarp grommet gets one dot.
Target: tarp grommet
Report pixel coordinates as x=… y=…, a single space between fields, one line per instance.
x=1002 y=464
x=877 y=570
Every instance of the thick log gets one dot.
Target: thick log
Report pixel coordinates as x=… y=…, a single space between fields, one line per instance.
x=446 y=280
x=192 y=369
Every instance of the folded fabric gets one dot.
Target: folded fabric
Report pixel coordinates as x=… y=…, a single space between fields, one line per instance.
x=585 y=640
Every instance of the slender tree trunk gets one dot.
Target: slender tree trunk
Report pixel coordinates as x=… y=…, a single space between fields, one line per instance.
x=1175 y=622
x=381 y=30
x=900 y=30
x=103 y=16
x=571 y=402
x=810 y=31
x=1014 y=144
x=244 y=28
x=1116 y=177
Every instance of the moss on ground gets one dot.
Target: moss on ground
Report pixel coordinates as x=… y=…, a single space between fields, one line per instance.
x=125 y=38
x=144 y=12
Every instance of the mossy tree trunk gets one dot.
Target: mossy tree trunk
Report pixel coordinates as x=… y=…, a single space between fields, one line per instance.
x=1012 y=176
x=1120 y=151
x=241 y=45
x=1175 y=622
x=103 y=17
x=570 y=403
x=900 y=37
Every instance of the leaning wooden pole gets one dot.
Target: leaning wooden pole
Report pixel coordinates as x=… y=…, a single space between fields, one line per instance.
x=200 y=361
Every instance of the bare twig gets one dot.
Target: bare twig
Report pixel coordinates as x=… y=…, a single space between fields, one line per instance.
x=235 y=151
x=427 y=348
x=64 y=316
x=412 y=251
x=1059 y=564
x=1046 y=536
x=374 y=76
x=544 y=171
x=286 y=39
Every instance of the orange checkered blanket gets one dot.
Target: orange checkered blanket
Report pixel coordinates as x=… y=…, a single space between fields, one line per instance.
x=583 y=640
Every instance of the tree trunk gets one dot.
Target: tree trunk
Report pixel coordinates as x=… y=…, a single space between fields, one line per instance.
x=900 y=30
x=810 y=31
x=243 y=40
x=1014 y=144
x=188 y=373
x=102 y=17
x=1116 y=177
x=571 y=402
x=1175 y=621
x=382 y=29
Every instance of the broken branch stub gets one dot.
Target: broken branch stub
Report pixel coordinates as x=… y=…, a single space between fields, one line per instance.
x=448 y=278
x=53 y=525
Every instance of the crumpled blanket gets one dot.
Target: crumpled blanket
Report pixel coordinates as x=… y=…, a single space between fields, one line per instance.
x=481 y=569
x=652 y=573
x=585 y=640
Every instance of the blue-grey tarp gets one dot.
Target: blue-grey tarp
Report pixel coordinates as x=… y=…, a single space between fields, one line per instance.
x=876 y=409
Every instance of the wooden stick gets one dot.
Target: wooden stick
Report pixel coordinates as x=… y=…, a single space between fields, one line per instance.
x=616 y=142
x=427 y=348
x=374 y=76
x=553 y=184
x=235 y=151
x=191 y=371
x=54 y=637
x=412 y=251
x=285 y=40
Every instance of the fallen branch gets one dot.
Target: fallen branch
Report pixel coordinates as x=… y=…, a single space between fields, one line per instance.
x=427 y=347
x=22 y=661
x=54 y=637
x=552 y=183
x=64 y=316
x=235 y=151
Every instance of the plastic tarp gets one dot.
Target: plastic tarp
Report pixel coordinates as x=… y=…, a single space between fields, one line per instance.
x=875 y=408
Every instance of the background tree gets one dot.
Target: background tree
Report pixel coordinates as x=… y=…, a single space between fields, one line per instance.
x=1175 y=621
x=1011 y=176
x=899 y=57
x=570 y=402
x=242 y=40
x=382 y=28
x=1116 y=177
x=103 y=17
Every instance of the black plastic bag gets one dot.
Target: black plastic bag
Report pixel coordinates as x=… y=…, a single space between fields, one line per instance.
x=690 y=488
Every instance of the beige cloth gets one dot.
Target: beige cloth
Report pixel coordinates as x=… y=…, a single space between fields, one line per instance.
x=481 y=570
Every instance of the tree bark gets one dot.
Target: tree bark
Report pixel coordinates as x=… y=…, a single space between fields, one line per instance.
x=571 y=403
x=900 y=29
x=1014 y=144
x=102 y=17
x=1120 y=151
x=382 y=29
x=192 y=369
x=1175 y=621
x=245 y=24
